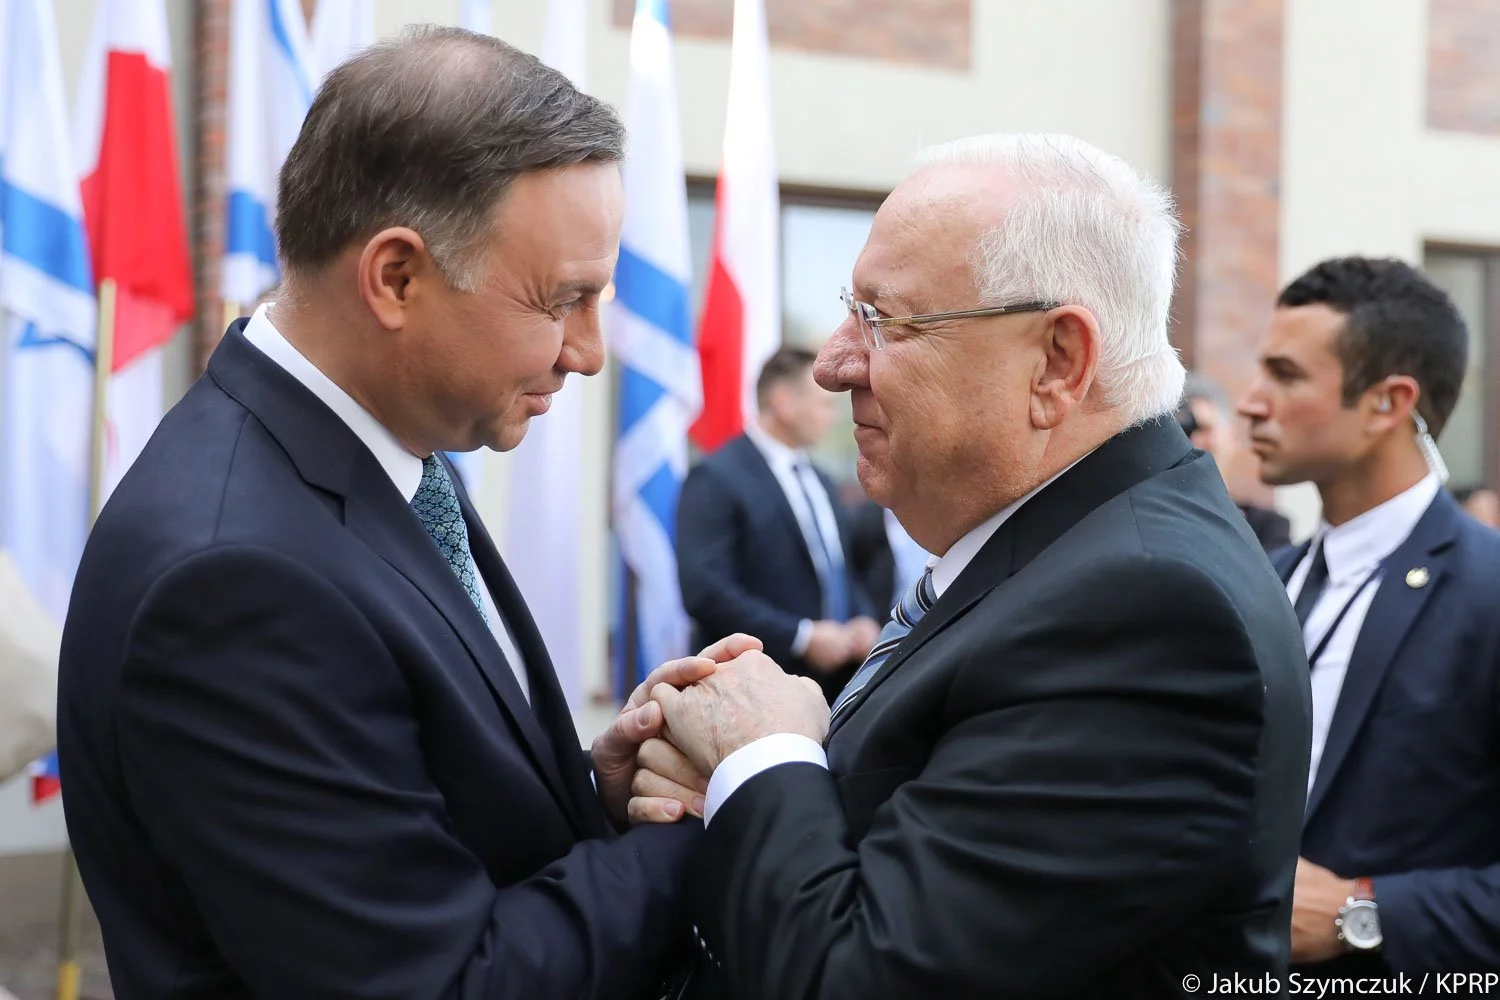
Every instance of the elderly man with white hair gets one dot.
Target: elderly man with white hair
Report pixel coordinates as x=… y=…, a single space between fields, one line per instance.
x=1063 y=770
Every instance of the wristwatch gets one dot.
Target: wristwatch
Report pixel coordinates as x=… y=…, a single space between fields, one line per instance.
x=1359 y=918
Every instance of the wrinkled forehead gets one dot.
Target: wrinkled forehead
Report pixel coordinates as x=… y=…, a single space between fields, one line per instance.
x=925 y=240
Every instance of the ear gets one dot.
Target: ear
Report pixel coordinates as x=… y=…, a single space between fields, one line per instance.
x=390 y=267
x=1070 y=360
x=1391 y=402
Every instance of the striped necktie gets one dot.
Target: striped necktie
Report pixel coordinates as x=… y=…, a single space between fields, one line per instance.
x=915 y=603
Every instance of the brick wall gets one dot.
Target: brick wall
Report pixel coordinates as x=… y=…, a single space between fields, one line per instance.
x=1463 y=75
x=1226 y=168
x=934 y=33
x=211 y=67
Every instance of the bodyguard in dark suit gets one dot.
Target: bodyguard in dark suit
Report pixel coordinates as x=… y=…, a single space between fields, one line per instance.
x=1061 y=771
x=311 y=743
x=763 y=541
x=1397 y=592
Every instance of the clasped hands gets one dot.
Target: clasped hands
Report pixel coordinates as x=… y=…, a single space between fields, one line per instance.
x=654 y=762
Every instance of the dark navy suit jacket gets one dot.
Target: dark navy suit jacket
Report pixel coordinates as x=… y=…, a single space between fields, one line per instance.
x=742 y=561
x=1408 y=789
x=295 y=762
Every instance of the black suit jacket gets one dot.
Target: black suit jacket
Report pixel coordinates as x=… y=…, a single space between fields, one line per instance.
x=1075 y=778
x=742 y=561
x=1272 y=530
x=295 y=762
x=1408 y=786
x=871 y=555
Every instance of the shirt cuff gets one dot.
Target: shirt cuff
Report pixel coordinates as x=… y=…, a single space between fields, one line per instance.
x=755 y=757
x=804 y=636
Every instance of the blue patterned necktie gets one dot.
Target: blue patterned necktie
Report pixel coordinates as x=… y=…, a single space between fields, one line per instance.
x=436 y=506
x=916 y=602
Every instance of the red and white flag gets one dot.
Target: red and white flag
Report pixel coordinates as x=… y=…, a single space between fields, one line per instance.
x=126 y=143
x=741 y=325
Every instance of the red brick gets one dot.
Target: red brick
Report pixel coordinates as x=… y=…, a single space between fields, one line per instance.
x=1226 y=169
x=1463 y=75
x=935 y=33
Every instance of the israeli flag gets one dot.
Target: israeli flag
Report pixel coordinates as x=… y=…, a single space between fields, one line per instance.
x=272 y=78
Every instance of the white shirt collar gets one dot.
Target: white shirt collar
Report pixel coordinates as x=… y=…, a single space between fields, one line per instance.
x=404 y=468
x=953 y=562
x=777 y=455
x=1355 y=547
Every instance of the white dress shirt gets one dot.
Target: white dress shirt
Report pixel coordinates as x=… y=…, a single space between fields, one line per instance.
x=404 y=468
x=788 y=748
x=1353 y=551
x=785 y=463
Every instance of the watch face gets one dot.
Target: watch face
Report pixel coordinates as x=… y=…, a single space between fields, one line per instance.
x=1361 y=927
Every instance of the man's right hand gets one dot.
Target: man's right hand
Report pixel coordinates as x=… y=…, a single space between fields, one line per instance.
x=828 y=645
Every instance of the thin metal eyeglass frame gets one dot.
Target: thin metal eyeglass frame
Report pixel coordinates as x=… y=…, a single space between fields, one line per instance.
x=870 y=322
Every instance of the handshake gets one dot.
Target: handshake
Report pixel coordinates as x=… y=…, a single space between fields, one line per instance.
x=653 y=764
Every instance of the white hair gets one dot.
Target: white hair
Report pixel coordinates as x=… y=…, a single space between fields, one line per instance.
x=1085 y=230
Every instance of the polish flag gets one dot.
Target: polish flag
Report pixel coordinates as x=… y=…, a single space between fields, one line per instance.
x=126 y=143
x=741 y=325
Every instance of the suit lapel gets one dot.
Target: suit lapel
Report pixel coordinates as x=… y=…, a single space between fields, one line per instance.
x=1114 y=467
x=1392 y=613
x=988 y=570
x=548 y=703
x=1286 y=563
x=329 y=456
x=383 y=520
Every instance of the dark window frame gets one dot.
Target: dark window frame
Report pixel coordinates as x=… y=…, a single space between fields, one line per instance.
x=1490 y=377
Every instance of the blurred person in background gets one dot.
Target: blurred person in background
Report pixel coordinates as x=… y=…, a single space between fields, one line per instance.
x=1397 y=593
x=887 y=559
x=763 y=543
x=1208 y=419
x=1482 y=504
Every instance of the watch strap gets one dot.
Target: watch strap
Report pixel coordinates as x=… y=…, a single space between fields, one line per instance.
x=1364 y=888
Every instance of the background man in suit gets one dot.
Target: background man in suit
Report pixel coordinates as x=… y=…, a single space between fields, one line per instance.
x=312 y=744
x=1397 y=592
x=762 y=540
x=1062 y=770
x=1481 y=503
x=886 y=558
x=1209 y=419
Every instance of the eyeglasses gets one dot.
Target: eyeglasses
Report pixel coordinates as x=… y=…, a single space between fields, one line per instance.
x=870 y=322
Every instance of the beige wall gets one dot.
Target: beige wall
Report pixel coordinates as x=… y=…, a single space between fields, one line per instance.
x=1362 y=172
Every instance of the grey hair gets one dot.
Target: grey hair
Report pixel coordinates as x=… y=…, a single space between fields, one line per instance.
x=1087 y=230
x=428 y=130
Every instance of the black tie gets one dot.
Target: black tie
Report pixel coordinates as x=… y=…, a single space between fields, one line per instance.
x=1312 y=586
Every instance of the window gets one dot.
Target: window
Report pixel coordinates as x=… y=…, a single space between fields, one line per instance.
x=1471 y=441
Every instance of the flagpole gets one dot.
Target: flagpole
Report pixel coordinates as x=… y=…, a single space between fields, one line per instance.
x=72 y=900
x=231 y=312
x=104 y=361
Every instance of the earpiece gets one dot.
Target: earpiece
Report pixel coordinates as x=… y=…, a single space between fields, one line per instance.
x=1385 y=404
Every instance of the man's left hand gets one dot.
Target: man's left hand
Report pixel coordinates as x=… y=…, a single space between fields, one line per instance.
x=614 y=750
x=742 y=701
x=1316 y=900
